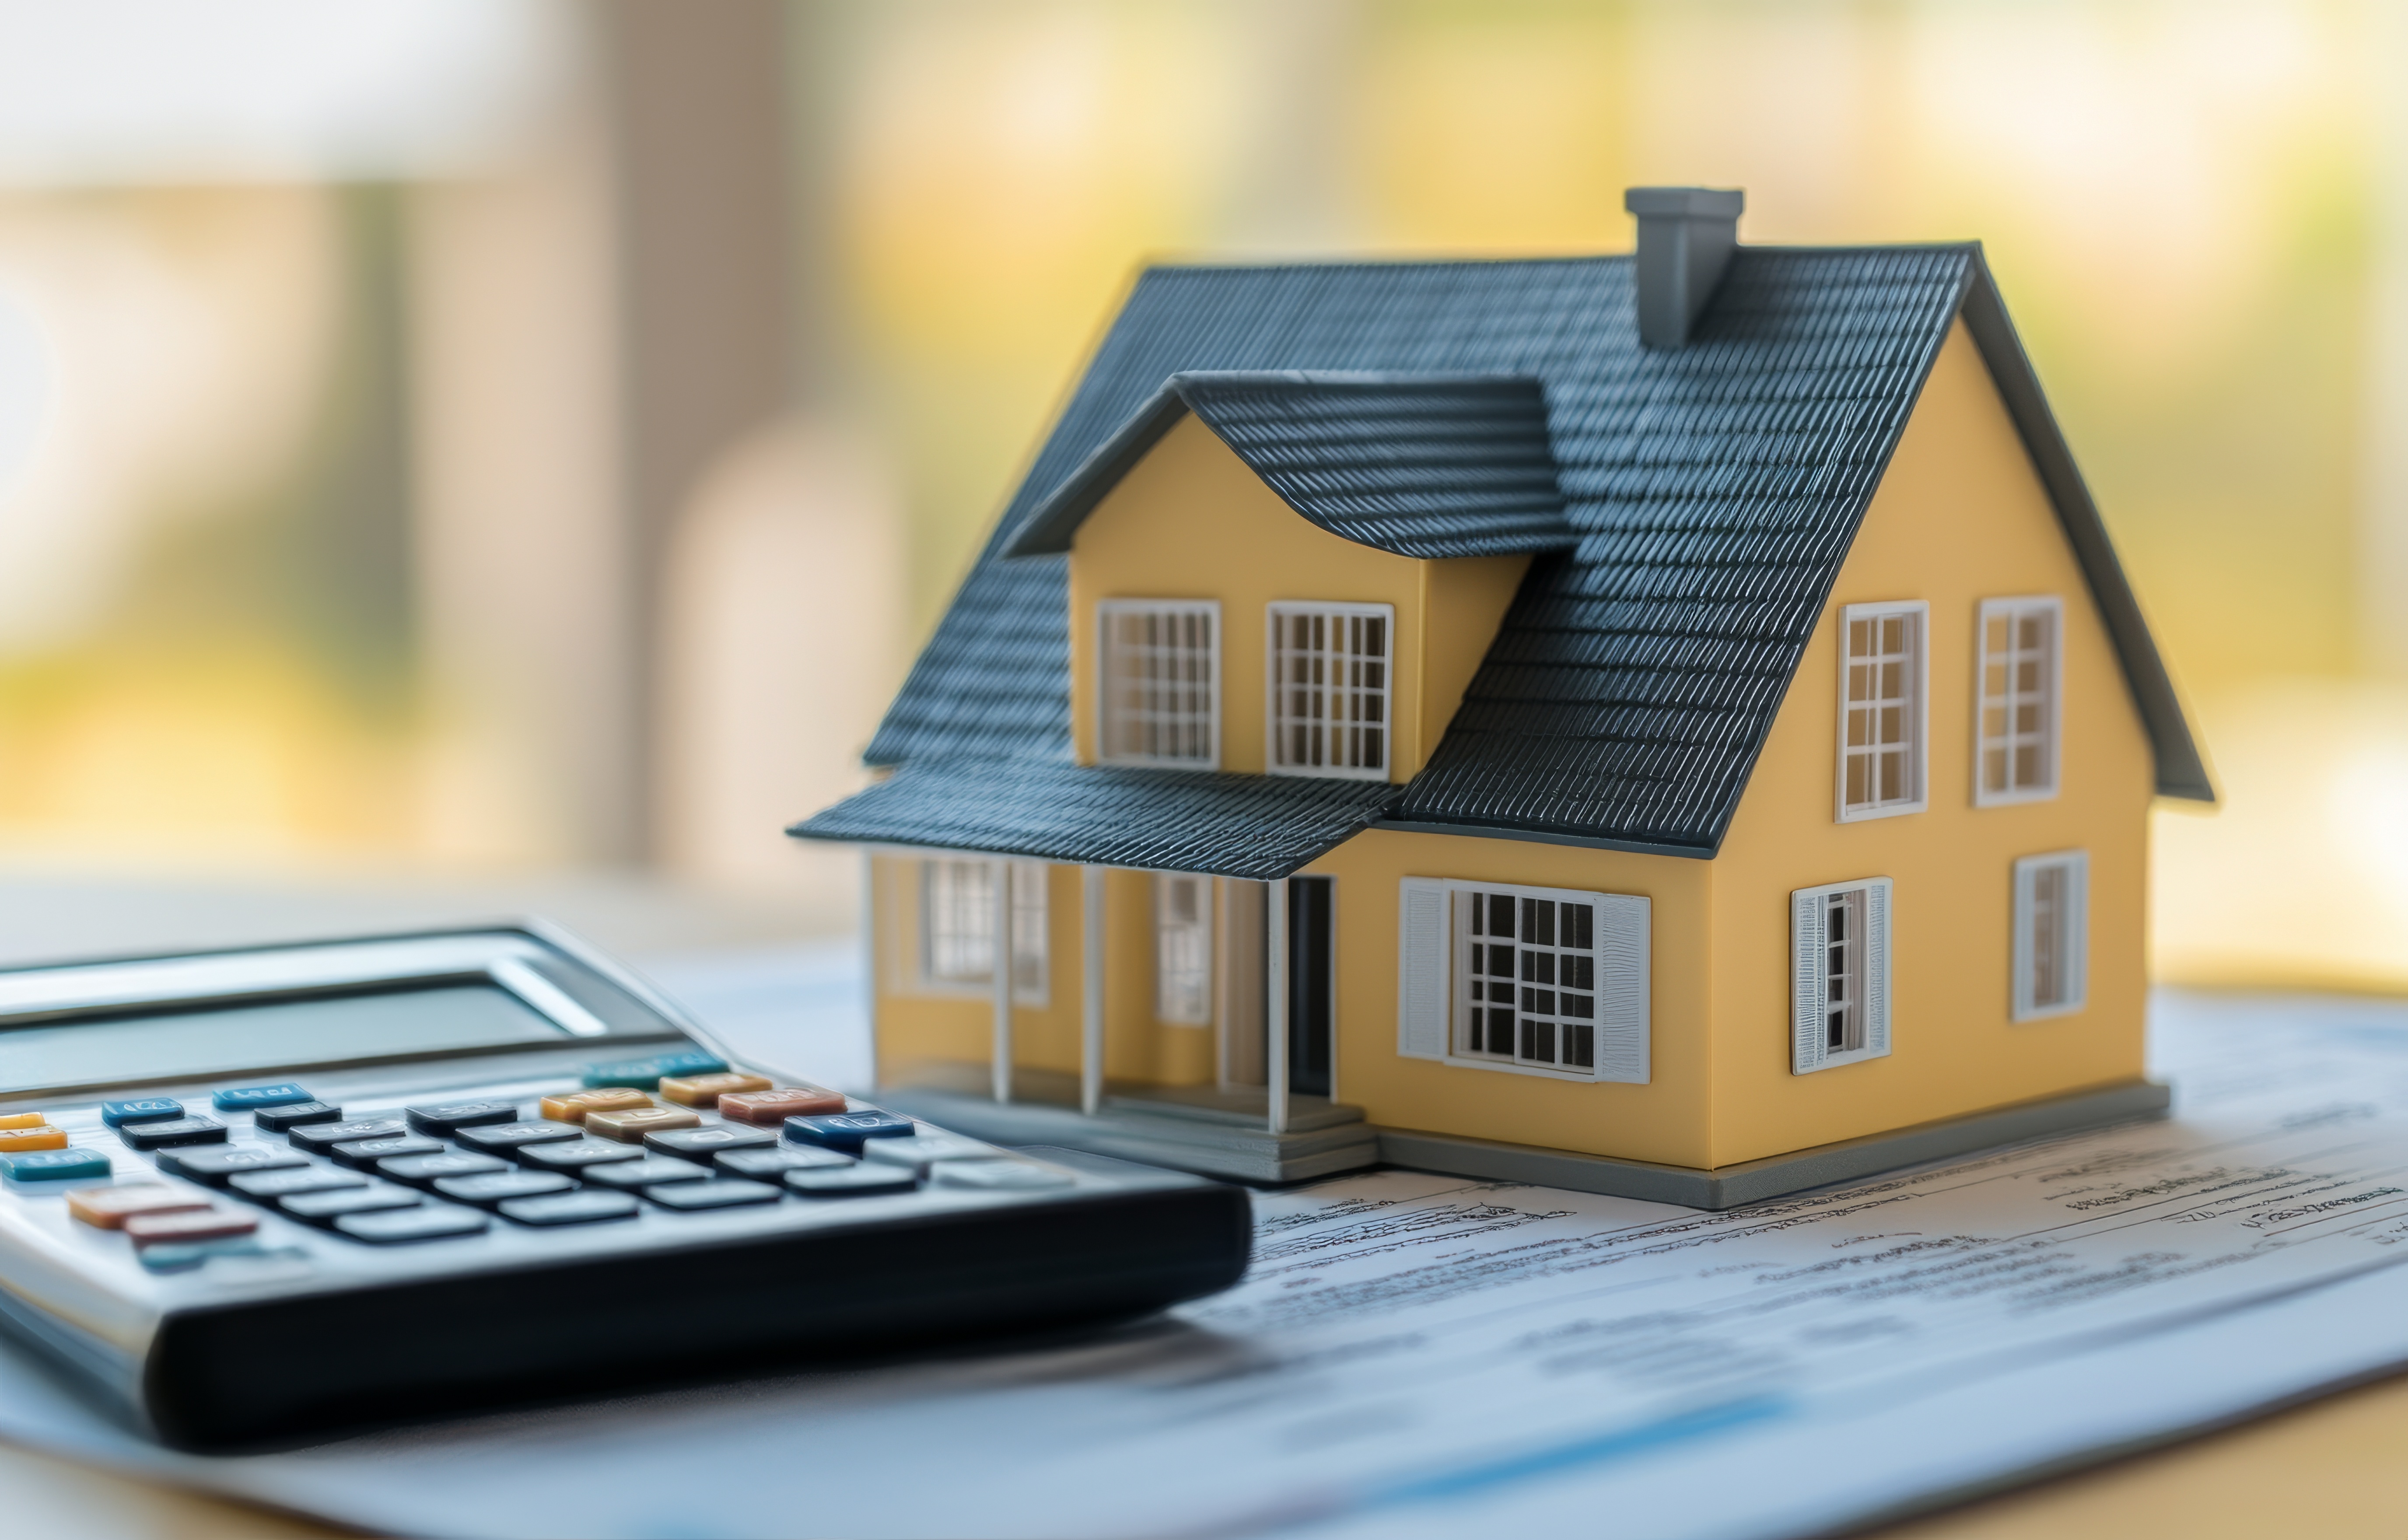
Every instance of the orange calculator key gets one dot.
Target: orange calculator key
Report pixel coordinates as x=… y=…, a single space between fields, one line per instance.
x=701 y=1090
x=629 y=1128
x=22 y=1120
x=200 y=1224
x=109 y=1207
x=772 y=1107
x=40 y=1137
x=573 y=1106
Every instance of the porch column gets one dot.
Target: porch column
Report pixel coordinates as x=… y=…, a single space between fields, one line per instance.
x=1275 y=1001
x=1090 y=998
x=999 y=1057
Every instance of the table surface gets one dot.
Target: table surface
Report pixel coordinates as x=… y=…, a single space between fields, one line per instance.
x=2330 y=1468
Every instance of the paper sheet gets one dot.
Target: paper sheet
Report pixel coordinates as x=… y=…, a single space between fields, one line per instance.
x=1420 y=1354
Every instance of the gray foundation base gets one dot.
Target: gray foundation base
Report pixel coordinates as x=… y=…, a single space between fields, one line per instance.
x=1754 y=1181
x=1215 y=1134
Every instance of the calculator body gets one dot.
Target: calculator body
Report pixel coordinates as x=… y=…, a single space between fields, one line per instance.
x=213 y=1286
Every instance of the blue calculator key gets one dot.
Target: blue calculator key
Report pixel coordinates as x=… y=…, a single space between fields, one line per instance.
x=285 y=1119
x=643 y=1074
x=215 y=1166
x=727 y=1192
x=570 y=1208
x=443 y=1118
x=252 y=1097
x=412 y=1224
x=848 y=1130
x=153 y=1109
x=172 y=1131
x=67 y=1165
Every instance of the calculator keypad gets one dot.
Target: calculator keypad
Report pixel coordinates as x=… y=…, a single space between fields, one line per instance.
x=717 y=1139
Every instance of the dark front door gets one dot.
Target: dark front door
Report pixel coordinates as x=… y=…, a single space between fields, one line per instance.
x=1312 y=983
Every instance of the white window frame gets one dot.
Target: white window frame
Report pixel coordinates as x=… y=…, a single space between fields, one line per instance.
x=1331 y=691
x=1112 y=664
x=1435 y=976
x=1916 y=698
x=2013 y=611
x=1031 y=959
x=1183 y=952
x=2070 y=940
x=1811 y=956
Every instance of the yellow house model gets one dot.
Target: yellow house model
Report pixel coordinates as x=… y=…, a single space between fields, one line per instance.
x=1668 y=725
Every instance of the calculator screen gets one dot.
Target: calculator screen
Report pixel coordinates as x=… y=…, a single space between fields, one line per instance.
x=313 y=1031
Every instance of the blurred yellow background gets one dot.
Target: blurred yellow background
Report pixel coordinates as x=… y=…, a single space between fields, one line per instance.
x=491 y=435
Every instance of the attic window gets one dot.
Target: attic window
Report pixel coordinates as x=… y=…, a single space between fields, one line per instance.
x=1330 y=689
x=1161 y=682
x=1883 y=674
x=2015 y=756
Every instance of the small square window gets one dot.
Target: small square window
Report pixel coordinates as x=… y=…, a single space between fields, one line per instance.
x=1159 y=687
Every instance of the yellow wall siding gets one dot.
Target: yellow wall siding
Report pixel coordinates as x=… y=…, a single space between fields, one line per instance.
x=1959 y=517
x=1665 y=1120
x=1192 y=520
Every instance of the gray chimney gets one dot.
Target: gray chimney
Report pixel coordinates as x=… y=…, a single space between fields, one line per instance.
x=1685 y=238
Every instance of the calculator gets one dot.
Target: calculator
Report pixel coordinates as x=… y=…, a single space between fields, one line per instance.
x=264 y=1195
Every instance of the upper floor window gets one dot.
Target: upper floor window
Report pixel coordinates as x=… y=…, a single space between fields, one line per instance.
x=1161 y=682
x=1883 y=673
x=1330 y=689
x=2015 y=730
x=957 y=926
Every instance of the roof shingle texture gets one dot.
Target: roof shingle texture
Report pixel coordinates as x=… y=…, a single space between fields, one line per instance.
x=1419 y=465
x=1256 y=826
x=1714 y=490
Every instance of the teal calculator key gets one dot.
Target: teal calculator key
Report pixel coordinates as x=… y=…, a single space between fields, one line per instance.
x=847 y=1132
x=251 y=1098
x=67 y=1165
x=643 y=1074
x=156 y=1109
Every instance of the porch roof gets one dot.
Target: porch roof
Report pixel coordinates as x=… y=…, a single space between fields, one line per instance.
x=1256 y=826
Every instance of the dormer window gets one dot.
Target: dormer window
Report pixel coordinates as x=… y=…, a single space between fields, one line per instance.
x=1161 y=682
x=1330 y=689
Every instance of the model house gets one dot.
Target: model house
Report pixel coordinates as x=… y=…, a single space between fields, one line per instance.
x=1671 y=725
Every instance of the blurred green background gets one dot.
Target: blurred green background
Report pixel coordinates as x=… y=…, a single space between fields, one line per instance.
x=505 y=436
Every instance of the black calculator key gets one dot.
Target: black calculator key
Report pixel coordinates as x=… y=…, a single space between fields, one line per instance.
x=215 y=1165
x=726 y=1192
x=443 y=1118
x=579 y=1155
x=318 y=1138
x=703 y=1142
x=646 y=1171
x=857 y=1181
x=499 y=1186
x=769 y=1165
x=570 y=1208
x=430 y=1223
x=285 y=1119
x=363 y=1154
x=510 y=1138
x=320 y=1208
x=418 y=1170
x=172 y=1132
x=267 y=1187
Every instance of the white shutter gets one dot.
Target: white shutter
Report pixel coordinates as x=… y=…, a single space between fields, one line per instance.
x=1806 y=964
x=2026 y=952
x=1423 y=997
x=1877 y=951
x=1622 y=988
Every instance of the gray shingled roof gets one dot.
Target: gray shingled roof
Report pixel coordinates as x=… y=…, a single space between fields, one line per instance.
x=1258 y=827
x=1422 y=465
x=1716 y=490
